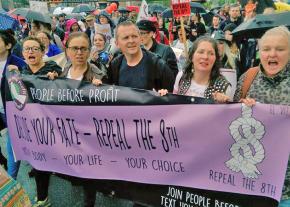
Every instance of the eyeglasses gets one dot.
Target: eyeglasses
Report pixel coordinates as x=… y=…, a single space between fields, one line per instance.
x=33 y=49
x=76 y=49
x=144 y=33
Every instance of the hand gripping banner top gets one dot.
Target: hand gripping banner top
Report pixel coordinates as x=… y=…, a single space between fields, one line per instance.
x=163 y=151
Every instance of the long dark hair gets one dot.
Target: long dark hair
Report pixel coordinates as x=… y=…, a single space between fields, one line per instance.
x=188 y=73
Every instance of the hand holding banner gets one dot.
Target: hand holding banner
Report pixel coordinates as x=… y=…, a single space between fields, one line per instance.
x=210 y=157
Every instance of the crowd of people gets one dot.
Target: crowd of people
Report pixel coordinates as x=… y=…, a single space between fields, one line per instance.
x=152 y=54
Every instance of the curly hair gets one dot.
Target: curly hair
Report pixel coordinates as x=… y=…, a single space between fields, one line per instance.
x=41 y=45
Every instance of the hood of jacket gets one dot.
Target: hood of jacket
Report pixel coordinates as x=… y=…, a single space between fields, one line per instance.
x=69 y=24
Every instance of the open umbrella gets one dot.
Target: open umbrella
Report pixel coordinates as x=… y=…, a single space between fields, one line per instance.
x=2 y=11
x=256 y=27
x=75 y=16
x=7 y=22
x=86 y=8
x=32 y=15
x=195 y=8
x=156 y=8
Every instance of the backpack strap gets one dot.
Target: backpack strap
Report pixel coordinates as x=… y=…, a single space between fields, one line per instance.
x=249 y=78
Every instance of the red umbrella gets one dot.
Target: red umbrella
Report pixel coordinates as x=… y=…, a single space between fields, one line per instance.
x=133 y=8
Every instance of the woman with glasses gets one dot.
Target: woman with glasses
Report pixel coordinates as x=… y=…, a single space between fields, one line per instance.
x=78 y=53
x=7 y=42
x=50 y=49
x=33 y=52
x=78 y=68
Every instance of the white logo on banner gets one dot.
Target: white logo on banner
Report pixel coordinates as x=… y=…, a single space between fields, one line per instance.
x=246 y=131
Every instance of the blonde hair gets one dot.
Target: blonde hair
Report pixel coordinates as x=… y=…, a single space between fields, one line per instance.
x=230 y=56
x=280 y=30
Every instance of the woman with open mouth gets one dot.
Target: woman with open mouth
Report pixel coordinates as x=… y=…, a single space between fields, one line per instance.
x=33 y=52
x=270 y=81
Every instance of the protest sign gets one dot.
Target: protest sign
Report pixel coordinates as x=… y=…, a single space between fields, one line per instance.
x=104 y=29
x=231 y=76
x=39 y=6
x=148 y=148
x=180 y=8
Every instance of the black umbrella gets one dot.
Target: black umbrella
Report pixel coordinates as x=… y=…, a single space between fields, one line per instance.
x=195 y=8
x=86 y=8
x=32 y=15
x=256 y=27
x=156 y=8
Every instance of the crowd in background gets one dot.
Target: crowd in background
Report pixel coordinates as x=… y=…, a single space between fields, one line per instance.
x=152 y=54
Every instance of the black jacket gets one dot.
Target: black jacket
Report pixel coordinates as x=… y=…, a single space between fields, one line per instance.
x=167 y=54
x=228 y=21
x=160 y=76
x=49 y=66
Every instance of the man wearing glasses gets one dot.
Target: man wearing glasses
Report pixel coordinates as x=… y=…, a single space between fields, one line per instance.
x=147 y=31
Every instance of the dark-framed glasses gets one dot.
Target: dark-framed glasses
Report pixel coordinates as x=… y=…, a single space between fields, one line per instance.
x=32 y=49
x=144 y=33
x=81 y=49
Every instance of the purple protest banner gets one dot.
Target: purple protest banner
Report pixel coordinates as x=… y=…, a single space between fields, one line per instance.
x=229 y=148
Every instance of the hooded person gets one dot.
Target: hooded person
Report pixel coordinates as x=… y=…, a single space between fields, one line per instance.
x=71 y=26
x=104 y=18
